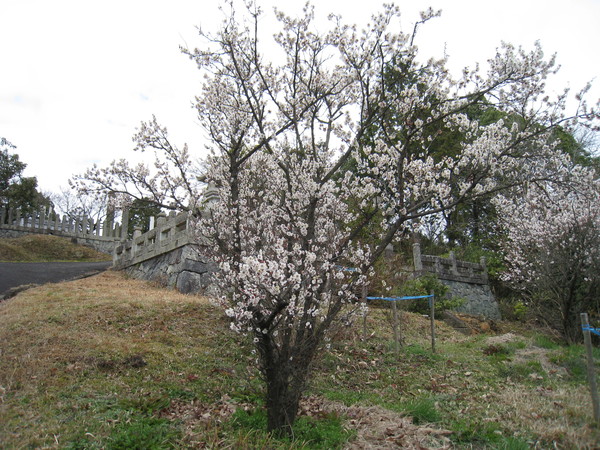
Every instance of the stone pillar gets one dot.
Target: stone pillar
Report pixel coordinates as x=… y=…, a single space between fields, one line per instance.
x=10 y=216
x=211 y=194
x=18 y=218
x=161 y=219
x=389 y=251
x=417 y=257
x=137 y=232
x=42 y=219
x=2 y=215
x=125 y=224
x=483 y=263
x=85 y=223
x=454 y=267
x=438 y=265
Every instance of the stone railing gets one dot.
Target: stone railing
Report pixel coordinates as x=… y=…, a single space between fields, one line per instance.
x=48 y=222
x=169 y=234
x=450 y=268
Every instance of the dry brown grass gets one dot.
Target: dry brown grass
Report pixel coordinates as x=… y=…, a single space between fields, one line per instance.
x=41 y=247
x=78 y=320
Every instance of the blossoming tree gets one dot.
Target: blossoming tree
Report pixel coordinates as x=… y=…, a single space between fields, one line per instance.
x=301 y=173
x=552 y=248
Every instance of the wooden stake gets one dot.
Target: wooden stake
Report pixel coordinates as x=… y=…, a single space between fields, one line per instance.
x=364 y=299
x=395 y=326
x=587 y=338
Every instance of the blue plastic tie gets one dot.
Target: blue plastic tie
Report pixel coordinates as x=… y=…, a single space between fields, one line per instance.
x=394 y=299
x=591 y=330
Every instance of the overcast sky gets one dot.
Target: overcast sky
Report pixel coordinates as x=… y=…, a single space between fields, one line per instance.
x=77 y=76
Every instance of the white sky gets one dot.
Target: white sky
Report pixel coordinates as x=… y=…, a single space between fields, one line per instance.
x=78 y=76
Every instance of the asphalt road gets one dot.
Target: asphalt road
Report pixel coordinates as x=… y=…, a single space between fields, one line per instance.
x=13 y=275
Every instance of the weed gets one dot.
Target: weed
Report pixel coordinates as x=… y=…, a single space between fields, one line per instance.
x=422 y=410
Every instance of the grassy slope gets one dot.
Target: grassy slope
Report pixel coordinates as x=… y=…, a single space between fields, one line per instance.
x=106 y=361
x=42 y=248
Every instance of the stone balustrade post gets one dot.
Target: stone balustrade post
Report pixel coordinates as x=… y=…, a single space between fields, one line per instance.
x=453 y=267
x=137 y=232
x=42 y=218
x=125 y=224
x=389 y=251
x=418 y=263
x=438 y=266
x=483 y=263
x=84 y=224
x=161 y=219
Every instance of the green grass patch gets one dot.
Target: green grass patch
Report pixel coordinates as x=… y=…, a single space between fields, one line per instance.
x=422 y=410
x=326 y=432
x=473 y=434
x=143 y=433
x=543 y=341
x=574 y=359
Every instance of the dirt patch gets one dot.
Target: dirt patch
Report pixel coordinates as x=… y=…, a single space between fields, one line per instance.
x=540 y=355
x=502 y=339
x=379 y=428
x=376 y=427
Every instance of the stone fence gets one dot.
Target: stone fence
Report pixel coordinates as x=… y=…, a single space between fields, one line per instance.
x=169 y=234
x=465 y=279
x=450 y=268
x=168 y=255
x=99 y=234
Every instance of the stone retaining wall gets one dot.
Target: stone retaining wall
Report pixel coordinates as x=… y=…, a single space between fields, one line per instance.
x=480 y=299
x=183 y=268
x=168 y=255
x=465 y=279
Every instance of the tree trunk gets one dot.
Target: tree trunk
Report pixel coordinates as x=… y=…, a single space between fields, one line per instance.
x=282 y=403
